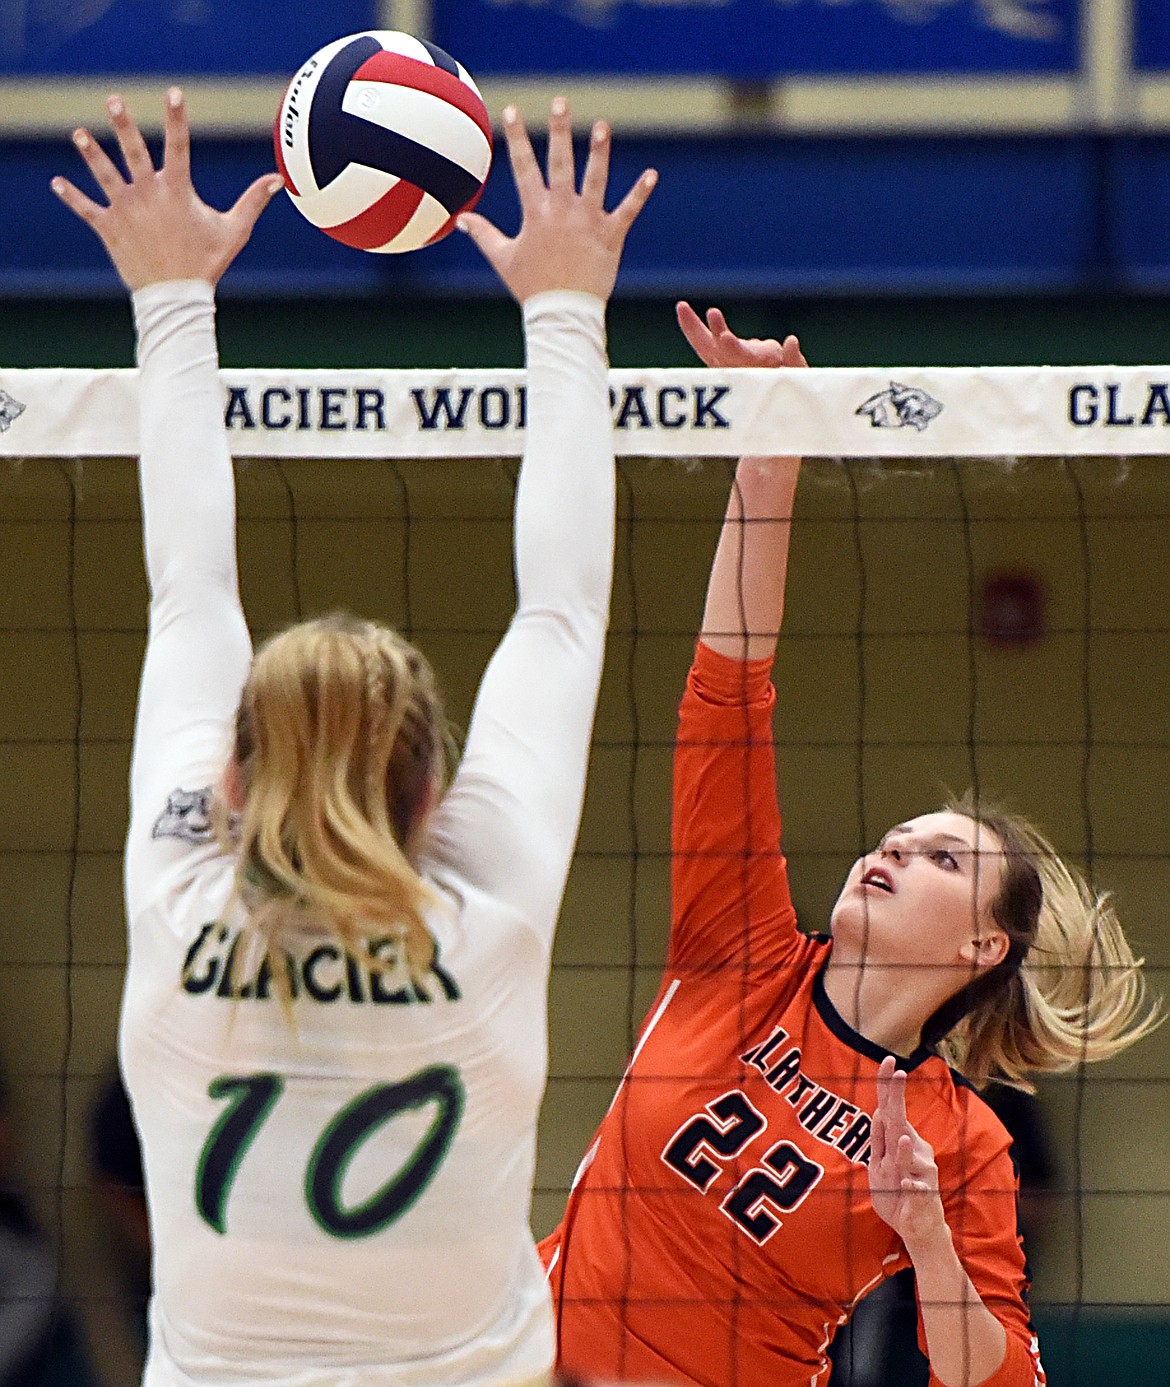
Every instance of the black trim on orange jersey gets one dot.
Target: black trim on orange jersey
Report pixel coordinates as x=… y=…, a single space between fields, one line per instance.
x=1026 y=1289
x=961 y=1081
x=854 y=1039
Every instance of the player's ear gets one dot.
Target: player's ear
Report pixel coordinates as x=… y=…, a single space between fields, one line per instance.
x=233 y=785
x=430 y=800
x=986 y=951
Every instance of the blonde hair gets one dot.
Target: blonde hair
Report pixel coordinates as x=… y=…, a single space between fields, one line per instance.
x=1068 y=992
x=341 y=743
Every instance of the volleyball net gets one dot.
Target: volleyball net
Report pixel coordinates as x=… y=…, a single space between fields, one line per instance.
x=979 y=595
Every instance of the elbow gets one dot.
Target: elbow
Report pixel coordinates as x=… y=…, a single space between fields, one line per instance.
x=185 y=574
x=579 y=626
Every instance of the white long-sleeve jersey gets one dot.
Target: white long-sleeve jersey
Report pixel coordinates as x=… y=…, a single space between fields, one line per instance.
x=341 y=1198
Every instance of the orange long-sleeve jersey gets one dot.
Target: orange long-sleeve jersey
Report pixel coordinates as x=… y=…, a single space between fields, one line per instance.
x=720 y=1229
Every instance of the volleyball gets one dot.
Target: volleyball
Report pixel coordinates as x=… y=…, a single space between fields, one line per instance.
x=382 y=140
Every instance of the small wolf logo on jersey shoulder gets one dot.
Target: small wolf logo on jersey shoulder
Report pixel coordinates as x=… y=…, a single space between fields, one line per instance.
x=900 y=407
x=187 y=816
x=10 y=409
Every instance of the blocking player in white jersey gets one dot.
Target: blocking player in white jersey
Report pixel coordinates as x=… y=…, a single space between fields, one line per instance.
x=333 y=1027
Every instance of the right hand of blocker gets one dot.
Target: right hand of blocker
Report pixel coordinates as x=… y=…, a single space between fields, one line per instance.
x=715 y=344
x=155 y=226
x=566 y=240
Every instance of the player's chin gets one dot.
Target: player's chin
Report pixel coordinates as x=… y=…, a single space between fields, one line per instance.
x=853 y=919
x=850 y=914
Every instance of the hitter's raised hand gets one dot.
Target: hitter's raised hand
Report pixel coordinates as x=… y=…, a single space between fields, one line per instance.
x=153 y=224
x=567 y=240
x=715 y=344
x=903 y=1177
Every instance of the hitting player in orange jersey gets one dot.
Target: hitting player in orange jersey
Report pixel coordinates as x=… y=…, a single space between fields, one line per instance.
x=799 y=1120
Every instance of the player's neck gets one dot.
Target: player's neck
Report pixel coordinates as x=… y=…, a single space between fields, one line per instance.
x=888 y=1006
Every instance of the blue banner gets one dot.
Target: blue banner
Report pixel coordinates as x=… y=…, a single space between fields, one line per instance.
x=748 y=39
x=758 y=39
x=220 y=38
x=1151 y=46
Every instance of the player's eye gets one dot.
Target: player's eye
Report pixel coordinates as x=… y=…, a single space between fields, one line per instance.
x=945 y=859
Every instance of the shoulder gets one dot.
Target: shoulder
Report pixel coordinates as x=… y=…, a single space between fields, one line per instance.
x=960 y=1117
x=474 y=926
x=183 y=888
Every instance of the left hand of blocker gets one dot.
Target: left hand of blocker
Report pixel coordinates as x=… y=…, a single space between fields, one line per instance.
x=155 y=227
x=903 y=1177
x=567 y=240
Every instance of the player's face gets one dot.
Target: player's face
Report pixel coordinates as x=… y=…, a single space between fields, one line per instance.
x=923 y=896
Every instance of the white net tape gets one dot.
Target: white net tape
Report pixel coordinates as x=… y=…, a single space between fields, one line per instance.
x=1038 y=411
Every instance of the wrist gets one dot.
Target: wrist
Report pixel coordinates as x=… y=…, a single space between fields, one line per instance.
x=930 y=1245
x=173 y=290
x=553 y=299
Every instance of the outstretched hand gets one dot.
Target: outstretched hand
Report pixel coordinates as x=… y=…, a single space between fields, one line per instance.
x=903 y=1177
x=716 y=345
x=567 y=240
x=154 y=225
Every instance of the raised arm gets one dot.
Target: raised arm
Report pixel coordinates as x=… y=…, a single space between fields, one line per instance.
x=510 y=819
x=745 y=593
x=170 y=250
x=729 y=883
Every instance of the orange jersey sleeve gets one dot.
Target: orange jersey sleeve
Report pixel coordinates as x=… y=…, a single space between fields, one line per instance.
x=730 y=902
x=981 y=1190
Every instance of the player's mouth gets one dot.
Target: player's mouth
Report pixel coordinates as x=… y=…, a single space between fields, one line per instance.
x=879 y=879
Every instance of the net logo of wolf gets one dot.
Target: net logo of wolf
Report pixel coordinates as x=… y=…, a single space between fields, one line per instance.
x=900 y=407
x=10 y=409
x=187 y=816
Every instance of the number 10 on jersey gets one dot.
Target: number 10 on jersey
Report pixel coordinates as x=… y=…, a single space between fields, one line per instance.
x=251 y=1097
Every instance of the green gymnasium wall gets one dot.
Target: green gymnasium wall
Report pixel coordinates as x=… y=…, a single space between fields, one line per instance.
x=485 y=332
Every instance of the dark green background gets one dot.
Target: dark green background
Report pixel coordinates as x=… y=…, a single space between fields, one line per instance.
x=846 y=331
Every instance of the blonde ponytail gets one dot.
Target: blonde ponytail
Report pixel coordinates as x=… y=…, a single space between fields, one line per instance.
x=1070 y=990
x=341 y=744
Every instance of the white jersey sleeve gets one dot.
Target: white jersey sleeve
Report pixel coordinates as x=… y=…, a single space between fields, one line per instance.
x=198 y=649
x=509 y=822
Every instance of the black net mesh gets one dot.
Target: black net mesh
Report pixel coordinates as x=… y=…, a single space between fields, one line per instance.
x=993 y=624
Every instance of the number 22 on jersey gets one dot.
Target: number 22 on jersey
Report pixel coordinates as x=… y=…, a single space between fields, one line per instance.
x=777 y=1185
x=251 y=1097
